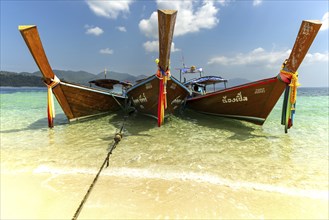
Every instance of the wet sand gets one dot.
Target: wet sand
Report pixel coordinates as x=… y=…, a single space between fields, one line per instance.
x=49 y=196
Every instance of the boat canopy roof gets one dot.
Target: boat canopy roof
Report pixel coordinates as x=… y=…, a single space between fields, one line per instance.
x=205 y=80
x=109 y=83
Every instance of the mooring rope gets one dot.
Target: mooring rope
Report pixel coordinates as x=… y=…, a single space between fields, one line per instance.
x=117 y=102
x=117 y=139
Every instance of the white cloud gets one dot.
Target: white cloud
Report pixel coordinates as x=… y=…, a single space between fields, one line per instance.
x=325 y=24
x=257 y=2
x=106 y=51
x=192 y=17
x=256 y=57
x=261 y=57
x=93 y=30
x=316 y=57
x=109 y=9
x=153 y=46
x=150 y=26
x=223 y=2
x=121 y=28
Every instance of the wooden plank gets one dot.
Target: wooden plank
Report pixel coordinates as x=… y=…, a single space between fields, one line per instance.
x=307 y=32
x=166 y=24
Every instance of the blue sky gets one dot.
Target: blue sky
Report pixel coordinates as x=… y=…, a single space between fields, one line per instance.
x=232 y=39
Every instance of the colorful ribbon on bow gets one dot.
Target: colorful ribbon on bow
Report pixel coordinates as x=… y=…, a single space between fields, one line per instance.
x=50 y=101
x=294 y=84
x=163 y=76
x=290 y=96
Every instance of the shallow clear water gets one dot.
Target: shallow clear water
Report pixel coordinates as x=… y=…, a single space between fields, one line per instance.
x=192 y=158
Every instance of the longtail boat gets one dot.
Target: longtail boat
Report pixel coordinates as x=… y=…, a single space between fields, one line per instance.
x=160 y=94
x=254 y=101
x=77 y=101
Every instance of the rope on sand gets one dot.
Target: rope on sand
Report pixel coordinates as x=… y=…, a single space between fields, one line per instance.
x=117 y=139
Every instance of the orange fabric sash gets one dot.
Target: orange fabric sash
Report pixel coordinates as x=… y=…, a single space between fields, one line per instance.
x=162 y=99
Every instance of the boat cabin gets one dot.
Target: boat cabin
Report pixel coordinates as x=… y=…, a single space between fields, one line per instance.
x=202 y=85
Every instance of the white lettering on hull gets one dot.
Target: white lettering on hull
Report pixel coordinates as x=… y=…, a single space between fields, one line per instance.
x=238 y=98
x=148 y=86
x=260 y=90
x=139 y=100
x=177 y=101
x=173 y=86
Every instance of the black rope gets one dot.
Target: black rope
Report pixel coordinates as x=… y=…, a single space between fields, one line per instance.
x=117 y=139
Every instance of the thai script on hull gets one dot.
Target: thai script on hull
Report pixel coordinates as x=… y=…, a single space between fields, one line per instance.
x=238 y=98
x=140 y=99
x=177 y=100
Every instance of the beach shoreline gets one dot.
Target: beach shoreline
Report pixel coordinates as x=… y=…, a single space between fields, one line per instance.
x=57 y=196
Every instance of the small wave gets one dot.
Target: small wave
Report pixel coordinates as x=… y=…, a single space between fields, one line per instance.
x=188 y=176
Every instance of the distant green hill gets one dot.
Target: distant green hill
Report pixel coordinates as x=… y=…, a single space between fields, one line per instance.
x=18 y=80
x=81 y=77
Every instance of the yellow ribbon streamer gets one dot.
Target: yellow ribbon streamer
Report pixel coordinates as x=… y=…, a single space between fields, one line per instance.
x=50 y=99
x=294 y=84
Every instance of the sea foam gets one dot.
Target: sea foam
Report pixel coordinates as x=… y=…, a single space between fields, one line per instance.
x=187 y=176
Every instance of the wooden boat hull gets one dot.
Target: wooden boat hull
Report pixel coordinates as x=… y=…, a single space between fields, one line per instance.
x=82 y=101
x=251 y=102
x=144 y=96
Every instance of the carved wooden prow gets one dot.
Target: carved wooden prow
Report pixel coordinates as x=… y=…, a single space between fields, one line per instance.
x=33 y=42
x=307 y=32
x=166 y=24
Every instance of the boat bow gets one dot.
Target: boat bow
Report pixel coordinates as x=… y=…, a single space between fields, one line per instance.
x=254 y=101
x=160 y=94
x=288 y=74
x=77 y=101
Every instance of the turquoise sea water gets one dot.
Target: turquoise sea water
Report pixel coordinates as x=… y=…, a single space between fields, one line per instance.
x=192 y=147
